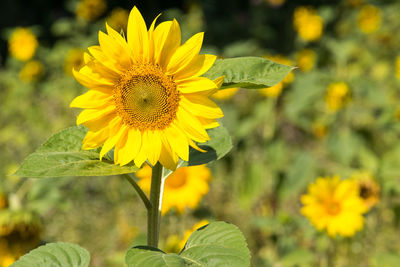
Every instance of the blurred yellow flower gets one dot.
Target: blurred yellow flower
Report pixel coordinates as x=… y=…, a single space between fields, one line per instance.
x=369 y=189
x=337 y=95
x=183 y=188
x=225 y=94
x=118 y=19
x=275 y=91
x=32 y=71
x=73 y=60
x=306 y=59
x=90 y=9
x=355 y=3
x=6 y=258
x=147 y=98
x=22 y=44
x=369 y=19
x=319 y=130
x=172 y=244
x=19 y=233
x=308 y=24
x=189 y=232
x=335 y=206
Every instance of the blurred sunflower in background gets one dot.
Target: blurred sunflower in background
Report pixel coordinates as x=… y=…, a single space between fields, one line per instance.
x=146 y=96
x=337 y=95
x=276 y=90
x=307 y=23
x=90 y=10
x=369 y=19
x=73 y=60
x=225 y=94
x=306 y=59
x=175 y=244
x=335 y=206
x=32 y=71
x=369 y=189
x=118 y=19
x=20 y=232
x=22 y=44
x=184 y=188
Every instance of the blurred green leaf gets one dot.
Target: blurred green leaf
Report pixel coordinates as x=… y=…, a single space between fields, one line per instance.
x=248 y=72
x=55 y=255
x=298 y=258
x=216 y=244
x=62 y=155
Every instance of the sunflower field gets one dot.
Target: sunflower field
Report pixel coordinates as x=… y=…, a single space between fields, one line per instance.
x=200 y=133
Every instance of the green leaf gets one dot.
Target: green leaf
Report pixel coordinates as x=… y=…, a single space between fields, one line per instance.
x=248 y=72
x=62 y=155
x=217 y=244
x=219 y=145
x=55 y=255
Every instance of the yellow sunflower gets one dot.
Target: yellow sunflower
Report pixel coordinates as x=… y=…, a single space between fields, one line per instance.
x=22 y=44
x=337 y=95
x=146 y=95
x=183 y=188
x=369 y=189
x=334 y=205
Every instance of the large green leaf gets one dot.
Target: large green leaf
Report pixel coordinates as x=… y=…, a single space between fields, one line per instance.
x=217 y=244
x=248 y=72
x=62 y=155
x=55 y=255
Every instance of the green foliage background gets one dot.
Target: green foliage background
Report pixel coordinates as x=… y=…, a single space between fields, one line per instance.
x=276 y=154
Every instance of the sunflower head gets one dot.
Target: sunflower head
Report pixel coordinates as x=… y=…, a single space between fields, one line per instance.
x=337 y=95
x=146 y=97
x=183 y=188
x=369 y=19
x=308 y=24
x=334 y=205
x=32 y=71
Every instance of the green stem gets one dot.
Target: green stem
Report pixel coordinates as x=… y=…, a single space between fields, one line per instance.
x=140 y=192
x=154 y=213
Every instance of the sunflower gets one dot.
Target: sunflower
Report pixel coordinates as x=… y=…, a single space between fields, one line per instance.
x=146 y=95
x=22 y=44
x=337 y=95
x=369 y=189
x=183 y=188
x=334 y=205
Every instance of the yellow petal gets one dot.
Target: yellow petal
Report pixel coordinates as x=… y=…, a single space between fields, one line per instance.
x=208 y=123
x=124 y=50
x=92 y=82
x=167 y=38
x=93 y=140
x=100 y=122
x=116 y=131
x=191 y=126
x=185 y=53
x=92 y=114
x=102 y=59
x=138 y=39
x=195 y=84
x=113 y=50
x=143 y=152
x=132 y=146
x=201 y=106
x=197 y=67
x=120 y=143
x=168 y=158
x=151 y=39
x=154 y=147
x=91 y=99
x=178 y=142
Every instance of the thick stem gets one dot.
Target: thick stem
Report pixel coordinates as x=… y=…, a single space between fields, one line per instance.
x=154 y=213
x=140 y=192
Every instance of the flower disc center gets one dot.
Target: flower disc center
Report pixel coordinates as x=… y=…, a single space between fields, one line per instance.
x=146 y=98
